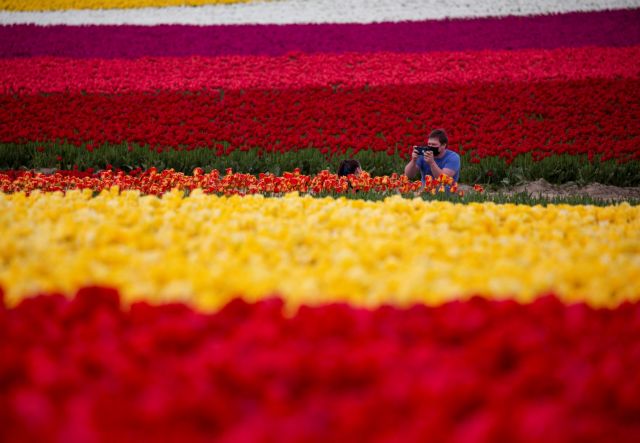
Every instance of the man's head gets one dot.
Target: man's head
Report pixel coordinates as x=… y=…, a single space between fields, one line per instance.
x=438 y=139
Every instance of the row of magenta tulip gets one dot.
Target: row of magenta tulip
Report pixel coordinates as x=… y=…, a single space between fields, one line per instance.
x=85 y=369
x=614 y=28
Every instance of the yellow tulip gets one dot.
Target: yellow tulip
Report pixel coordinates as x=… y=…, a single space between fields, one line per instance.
x=205 y=249
x=52 y=5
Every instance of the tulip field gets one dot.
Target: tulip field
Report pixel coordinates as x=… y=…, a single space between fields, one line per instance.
x=179 y=260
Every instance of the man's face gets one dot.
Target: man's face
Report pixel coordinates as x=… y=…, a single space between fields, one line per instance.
x=435 y=143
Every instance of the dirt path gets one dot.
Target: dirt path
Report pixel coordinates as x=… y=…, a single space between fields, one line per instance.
x=542 y=188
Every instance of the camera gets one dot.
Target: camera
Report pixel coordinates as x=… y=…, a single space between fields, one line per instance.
x=422 y=149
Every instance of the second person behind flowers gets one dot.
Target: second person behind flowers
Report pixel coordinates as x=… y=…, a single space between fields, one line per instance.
x=349 y=167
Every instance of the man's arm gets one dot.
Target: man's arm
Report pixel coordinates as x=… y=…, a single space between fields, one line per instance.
x=450 y=168
x=412 y=168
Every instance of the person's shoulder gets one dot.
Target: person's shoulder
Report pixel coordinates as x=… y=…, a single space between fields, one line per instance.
x=452 y=154
x=451 y=157
x=452 y=160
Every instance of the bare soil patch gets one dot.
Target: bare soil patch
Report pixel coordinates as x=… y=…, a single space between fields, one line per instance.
x=542 y=188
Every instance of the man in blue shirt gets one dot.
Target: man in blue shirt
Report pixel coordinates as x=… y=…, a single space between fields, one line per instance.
x=435 y=164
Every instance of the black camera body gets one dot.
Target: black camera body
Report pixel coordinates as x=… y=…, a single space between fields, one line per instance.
x=422 y=149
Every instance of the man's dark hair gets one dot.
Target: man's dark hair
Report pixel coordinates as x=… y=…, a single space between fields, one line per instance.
x=348 y=167
x=441 y=135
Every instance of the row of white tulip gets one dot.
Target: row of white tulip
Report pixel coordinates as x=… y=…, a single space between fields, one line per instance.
x=311 y=11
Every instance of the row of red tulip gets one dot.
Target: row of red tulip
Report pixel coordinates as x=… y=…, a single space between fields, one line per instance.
x=494 y=103
x=479 y=370
x=298 y=70
x=595 y=117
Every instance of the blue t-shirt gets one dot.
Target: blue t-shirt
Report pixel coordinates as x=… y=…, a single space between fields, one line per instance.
x=451 y=160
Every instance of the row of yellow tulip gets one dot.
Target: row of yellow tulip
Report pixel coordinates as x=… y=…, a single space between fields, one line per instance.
x=205 y=249
x=52 y=5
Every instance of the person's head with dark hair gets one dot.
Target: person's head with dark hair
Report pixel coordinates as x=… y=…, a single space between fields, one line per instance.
x=349 y=167
x=441 y=136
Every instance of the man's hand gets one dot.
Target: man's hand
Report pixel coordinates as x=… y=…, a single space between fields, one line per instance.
x=414 y=155
x=428 y=157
